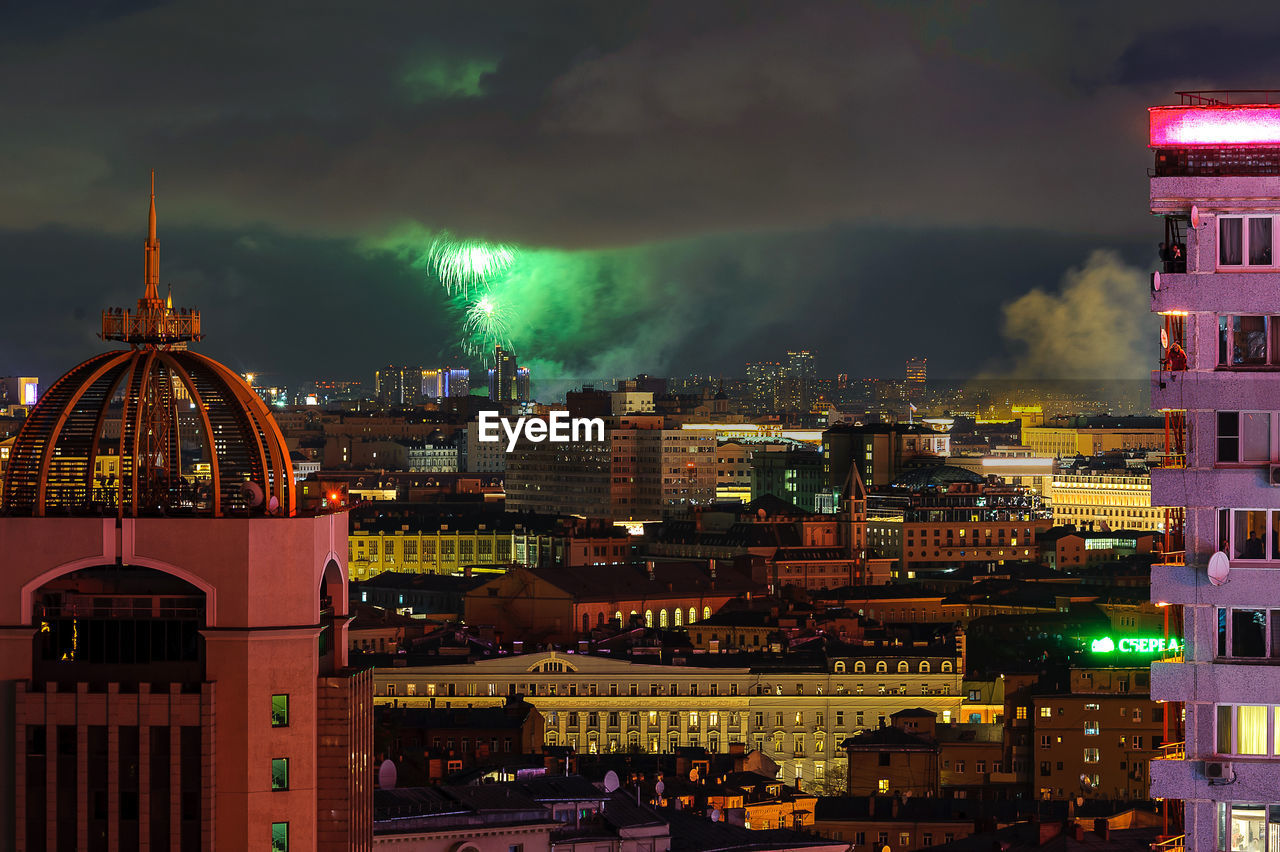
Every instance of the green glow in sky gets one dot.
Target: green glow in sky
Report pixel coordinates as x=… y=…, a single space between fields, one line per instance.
x=445 y=78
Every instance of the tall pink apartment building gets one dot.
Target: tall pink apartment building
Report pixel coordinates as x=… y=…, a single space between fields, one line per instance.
x=1216 y=184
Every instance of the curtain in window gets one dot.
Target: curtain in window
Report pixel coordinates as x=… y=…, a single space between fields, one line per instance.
x=1257 y=436
x=1230 y=242
x=1251 y=729
x=1260 y=241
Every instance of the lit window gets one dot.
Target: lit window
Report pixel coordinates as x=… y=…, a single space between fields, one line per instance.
x=280 y=773
x=279 y=837
x=279 y=711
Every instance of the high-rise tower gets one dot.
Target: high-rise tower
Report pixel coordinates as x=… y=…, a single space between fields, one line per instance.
x=173 y=667
x=1216 y=187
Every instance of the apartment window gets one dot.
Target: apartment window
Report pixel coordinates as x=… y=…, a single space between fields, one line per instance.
x=1247 y=827
x=1244 y=241
x=1091 y=755
x=279 y=711
x=777 y=719
x=1091 y=729
x=1246 y=341
x=759 y=720
x=673 y=720
x=959 y=766
x=279 y=773
x=279 y=837
x=1242 y=729
x=1021 y=713
x=1046 y=741
x=839 y=718
x=1246 y=437
x=882 y=785
x=1250 y=533
x=1046 y=712
x=1249 y=633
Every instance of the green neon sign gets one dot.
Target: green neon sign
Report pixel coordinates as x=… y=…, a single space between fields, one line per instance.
x=1136 y=645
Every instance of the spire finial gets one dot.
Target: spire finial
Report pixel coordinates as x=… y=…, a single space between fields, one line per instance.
x=151 y=253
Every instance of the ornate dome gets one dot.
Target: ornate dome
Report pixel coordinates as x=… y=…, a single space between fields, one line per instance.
x=154 y=429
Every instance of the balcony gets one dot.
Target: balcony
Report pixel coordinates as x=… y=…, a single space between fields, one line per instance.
x=1173 y=844
x=1172 y=751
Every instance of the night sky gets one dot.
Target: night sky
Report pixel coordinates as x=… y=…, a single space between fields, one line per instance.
x=696 y=184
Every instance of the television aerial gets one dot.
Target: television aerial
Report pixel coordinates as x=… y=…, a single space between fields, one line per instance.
x=611 y=781
x=1195 y=217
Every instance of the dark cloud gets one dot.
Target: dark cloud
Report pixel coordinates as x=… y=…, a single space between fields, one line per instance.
x=856 y=151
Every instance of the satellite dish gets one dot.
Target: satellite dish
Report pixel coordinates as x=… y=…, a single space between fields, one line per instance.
x=1164 y=338
x=273 y=505
x=1195 y=216
x=715 y=814
x=659 y=788
x=1219 y=568
x=1155 y=280
x=387 y=775
x=610 y=781
x=252 y=493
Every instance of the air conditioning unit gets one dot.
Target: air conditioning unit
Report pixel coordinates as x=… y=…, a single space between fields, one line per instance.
x=1273 y=474
x=1217 y=770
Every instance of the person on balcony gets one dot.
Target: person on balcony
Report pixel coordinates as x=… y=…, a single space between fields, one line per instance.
x=1176 y=357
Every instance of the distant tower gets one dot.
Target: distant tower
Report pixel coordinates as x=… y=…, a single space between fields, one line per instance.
x=173 y=655
x=507 y=380
x=917 y=374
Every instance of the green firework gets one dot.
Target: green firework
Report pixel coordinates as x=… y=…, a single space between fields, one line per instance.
x=486 y=326
x=461 y=265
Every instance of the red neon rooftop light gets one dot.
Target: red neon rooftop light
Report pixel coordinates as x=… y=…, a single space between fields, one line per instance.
x=1177 y=126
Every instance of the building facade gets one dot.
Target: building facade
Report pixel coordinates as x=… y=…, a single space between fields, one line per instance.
x=597 y=704
x=1219 y=205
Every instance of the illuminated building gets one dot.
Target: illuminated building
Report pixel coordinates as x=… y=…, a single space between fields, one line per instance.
x=641 y=471
x=733 y=471
x=952 y=515
x=175 y=652
x=799 y=382
x=1120 y=500
x=1095 y=435
x=917 y=375
x=508 y=381
x=449 y=543
x=1015 y=466
x=398 y=385
x=764 y=378
x=446 y=382
x=793 y=475
x=19 y=390
x=1098 y=738
x=1214 y=187
x=797 y=718
x=878 y=450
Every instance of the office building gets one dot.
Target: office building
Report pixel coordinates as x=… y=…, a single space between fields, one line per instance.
x=394 y=385
x=508 y=381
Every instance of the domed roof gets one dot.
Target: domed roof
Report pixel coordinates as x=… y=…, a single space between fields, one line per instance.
x=935 y=475
x=154 y=429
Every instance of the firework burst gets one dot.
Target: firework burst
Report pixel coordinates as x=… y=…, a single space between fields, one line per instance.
x=461 y=265
x=485 y=326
